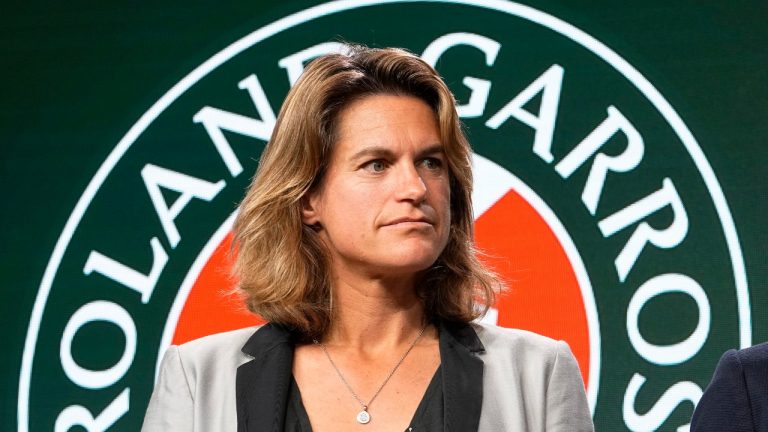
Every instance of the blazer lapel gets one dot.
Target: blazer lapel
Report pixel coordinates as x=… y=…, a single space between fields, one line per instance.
x=462 y=376
x=262 y=384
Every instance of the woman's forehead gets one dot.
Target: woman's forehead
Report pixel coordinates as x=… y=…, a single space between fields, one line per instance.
x=385 y=119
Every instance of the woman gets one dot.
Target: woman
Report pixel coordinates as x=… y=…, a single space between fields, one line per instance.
x=355 y=243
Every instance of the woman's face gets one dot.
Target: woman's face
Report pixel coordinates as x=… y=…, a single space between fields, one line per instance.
x=384 y=203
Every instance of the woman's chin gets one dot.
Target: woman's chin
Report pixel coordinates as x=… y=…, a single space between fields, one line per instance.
x=410 y=265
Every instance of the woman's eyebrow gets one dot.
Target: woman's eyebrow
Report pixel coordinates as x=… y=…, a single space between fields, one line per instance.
x=384 y=152
x=372 y=151
x=432 y=150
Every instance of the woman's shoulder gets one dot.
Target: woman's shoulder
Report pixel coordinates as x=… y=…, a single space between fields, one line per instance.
x=523 y=350
x=220 y=340
x=537 y=375
x=196 y=382
x=495 y=338
x=215 y=349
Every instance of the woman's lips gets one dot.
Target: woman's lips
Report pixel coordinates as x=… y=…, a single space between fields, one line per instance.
x=409 y=221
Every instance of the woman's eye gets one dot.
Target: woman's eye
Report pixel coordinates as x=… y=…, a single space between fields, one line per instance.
x=432 y=163
x=376 y=165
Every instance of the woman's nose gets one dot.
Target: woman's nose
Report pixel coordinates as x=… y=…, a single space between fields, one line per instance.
x=411 y=186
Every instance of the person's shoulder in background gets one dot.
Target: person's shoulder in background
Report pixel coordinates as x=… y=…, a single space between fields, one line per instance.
x=737 y=397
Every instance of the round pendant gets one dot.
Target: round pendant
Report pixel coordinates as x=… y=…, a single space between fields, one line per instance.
x=363 y=417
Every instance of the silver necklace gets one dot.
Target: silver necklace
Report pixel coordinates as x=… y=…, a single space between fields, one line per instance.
x=363 y=417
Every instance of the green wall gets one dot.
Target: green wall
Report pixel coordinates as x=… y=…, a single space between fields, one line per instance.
x=77 y=77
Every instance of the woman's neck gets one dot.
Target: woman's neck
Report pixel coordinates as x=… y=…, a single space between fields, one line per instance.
x=373 y=315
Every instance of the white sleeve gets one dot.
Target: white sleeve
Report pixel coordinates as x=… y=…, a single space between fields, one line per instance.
x=171 y=408
x=567 y=407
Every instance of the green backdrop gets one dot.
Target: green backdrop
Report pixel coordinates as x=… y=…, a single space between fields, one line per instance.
x=77 y=76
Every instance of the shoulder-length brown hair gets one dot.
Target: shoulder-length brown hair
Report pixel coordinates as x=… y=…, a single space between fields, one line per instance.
x=281 y=266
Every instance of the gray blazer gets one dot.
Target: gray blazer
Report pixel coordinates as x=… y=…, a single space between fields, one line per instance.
x=494 y=379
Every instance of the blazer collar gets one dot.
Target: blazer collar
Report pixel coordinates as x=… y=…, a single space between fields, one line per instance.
x=462 y=376
x=262 y=384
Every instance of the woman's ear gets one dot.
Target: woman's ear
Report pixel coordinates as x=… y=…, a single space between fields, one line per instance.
x=309 y=213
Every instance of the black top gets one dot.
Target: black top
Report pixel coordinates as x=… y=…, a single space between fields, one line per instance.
x=264 y=383
x=428 y=416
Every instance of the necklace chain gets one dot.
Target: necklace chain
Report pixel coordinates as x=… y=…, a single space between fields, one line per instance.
x=392 y=372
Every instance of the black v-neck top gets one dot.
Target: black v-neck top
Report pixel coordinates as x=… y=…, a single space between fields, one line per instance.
x=428 y=416
x=264 y=384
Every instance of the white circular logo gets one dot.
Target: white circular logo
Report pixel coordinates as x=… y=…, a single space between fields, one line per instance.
x=593 y=200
